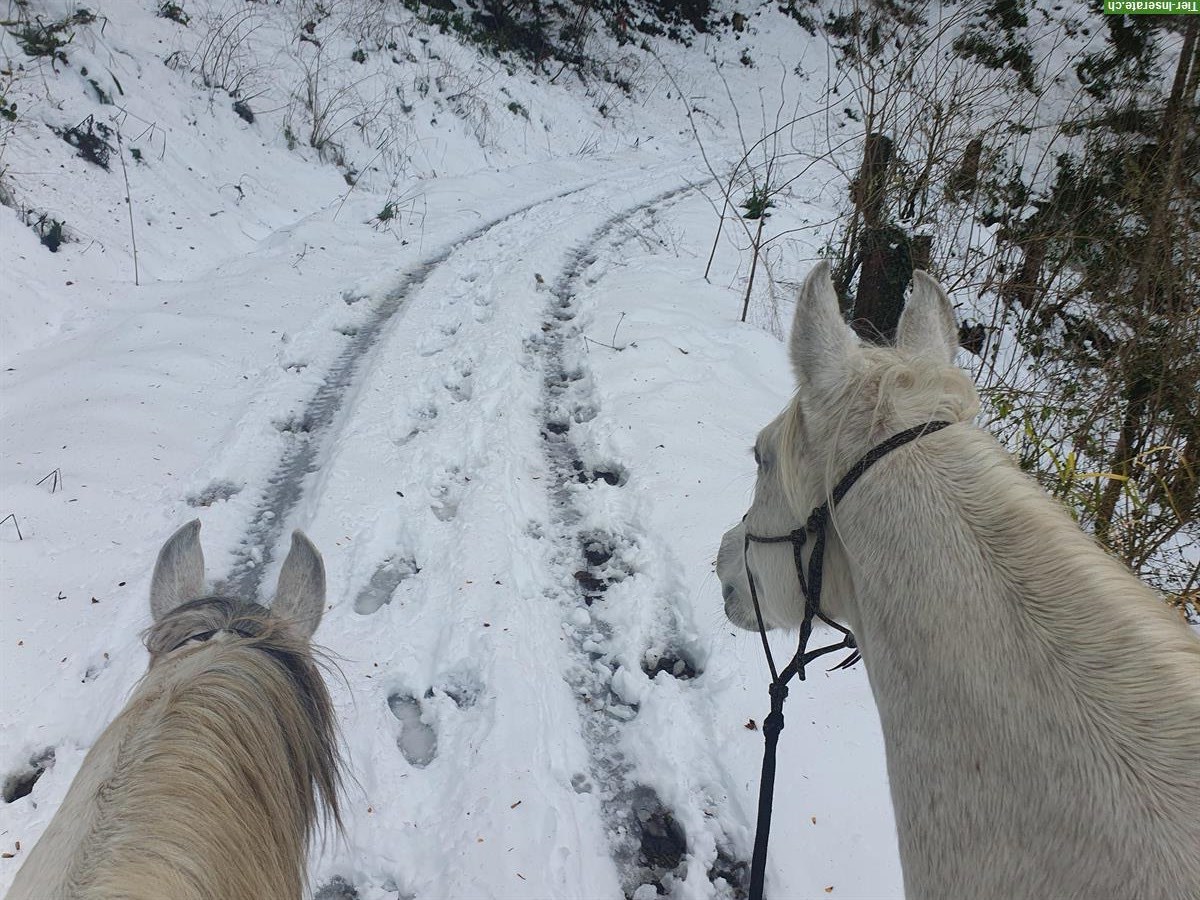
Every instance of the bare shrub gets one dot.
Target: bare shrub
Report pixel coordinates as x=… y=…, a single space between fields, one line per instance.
x=324 y=107
x=224 y=58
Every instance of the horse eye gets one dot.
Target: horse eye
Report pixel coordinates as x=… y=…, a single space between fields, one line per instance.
x=757 y=456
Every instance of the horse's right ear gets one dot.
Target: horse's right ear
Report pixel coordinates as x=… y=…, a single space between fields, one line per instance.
x=300 y=596
x=927 y=325
x=821 y=343
x=179 y=572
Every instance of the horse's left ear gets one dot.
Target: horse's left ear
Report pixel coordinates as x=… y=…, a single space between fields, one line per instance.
x=300 y=595
x=927 y=326
x=179 y=572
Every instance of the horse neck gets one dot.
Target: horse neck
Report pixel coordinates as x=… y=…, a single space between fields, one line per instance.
x=200 y=794
x=1016 y=668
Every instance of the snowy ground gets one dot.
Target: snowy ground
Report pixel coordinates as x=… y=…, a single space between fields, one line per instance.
x=516 y=427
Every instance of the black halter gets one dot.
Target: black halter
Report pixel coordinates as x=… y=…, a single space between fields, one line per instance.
x=810 y=586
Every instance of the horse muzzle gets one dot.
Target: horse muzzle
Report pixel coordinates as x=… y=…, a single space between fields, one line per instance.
x=731 y=572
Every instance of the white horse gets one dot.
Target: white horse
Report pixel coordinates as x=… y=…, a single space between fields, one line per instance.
x=207 y=786
x=1040 y=706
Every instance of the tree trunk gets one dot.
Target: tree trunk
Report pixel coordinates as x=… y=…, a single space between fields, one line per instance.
x=887 y=268
x=883 y=250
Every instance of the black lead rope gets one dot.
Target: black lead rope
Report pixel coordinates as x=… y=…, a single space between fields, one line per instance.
x=810 y=586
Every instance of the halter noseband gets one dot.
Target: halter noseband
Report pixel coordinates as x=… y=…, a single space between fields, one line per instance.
x=810 y=586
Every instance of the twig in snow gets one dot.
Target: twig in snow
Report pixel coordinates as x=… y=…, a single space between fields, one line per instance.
x=129 y=204
x=20 y=537
x=613 y=339
x=613 y=345
x=55 y=479
x=602 y=344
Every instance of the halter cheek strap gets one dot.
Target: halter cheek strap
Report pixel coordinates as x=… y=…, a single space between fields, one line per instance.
x=810 y=587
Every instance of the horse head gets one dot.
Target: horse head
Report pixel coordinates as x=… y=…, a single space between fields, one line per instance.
x=849 y=397
x=182 y=610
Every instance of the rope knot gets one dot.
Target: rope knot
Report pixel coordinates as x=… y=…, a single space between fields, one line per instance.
x=816 y=520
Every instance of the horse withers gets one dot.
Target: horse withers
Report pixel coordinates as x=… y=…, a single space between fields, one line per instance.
x=1040 y=706
x=212 y=779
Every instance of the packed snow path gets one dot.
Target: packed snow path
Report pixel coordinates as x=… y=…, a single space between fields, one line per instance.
x=307 y=429
x=428 y=394
x=524 y=692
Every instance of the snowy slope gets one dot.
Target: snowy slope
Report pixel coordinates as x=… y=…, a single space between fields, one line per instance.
x=514 y=420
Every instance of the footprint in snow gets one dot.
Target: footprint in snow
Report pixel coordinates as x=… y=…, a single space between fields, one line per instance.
x=733 y=871
x=336 y=888
x=604 y=556
x=674 y=662
x=214 y=492
x=20 y=783
x=379 y=590
x=458 y=381
x=297 y=423
x=436 y=341
x=417 y=740
x=484 y=309
x=96 y=668
x=420 y=420
x=662 y=842
x=610 y=473
x=446 y=494
x=464 y=688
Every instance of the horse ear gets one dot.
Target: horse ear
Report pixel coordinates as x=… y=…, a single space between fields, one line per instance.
x=821 y=342
x=300 y=595
x=927 y=325
x=179 y=571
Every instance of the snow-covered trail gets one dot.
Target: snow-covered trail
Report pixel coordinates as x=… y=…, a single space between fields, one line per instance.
x=486 y=719
x=537 y=699
x=306 y=429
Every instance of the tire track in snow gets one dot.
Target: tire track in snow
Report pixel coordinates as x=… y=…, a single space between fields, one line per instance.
x=648 y=842
x=309 y=429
